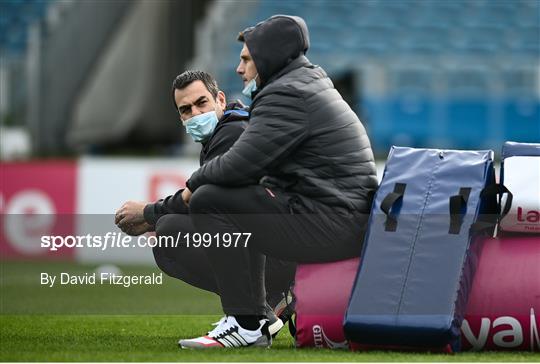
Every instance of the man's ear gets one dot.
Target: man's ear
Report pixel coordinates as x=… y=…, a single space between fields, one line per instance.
x=222 y=101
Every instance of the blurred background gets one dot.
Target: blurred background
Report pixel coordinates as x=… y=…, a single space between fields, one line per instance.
x=87 y=120
x=93 y=77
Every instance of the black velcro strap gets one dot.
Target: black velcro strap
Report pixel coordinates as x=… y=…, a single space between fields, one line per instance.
x=458 y=206
x=388 y=203
x=487 y=224
x=498 y=190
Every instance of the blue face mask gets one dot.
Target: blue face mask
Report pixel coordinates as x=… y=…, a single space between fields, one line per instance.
x=251 y=87
x=202 y=126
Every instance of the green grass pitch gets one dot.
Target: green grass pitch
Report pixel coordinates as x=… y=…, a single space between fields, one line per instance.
x=142 y=323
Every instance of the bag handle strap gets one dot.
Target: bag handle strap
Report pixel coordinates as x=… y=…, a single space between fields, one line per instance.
x=497 y=190
x=458 y=207
x=292 y=326
x=388 y=204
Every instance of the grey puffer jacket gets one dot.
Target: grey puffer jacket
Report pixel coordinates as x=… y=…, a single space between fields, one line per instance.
x=302 y=136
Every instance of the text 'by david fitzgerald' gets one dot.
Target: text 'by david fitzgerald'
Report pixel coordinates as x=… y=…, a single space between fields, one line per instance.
x=50 y=280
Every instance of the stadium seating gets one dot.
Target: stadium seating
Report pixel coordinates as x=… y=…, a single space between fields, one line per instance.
x=15 y=18
x=496 y=100
x=463 y=107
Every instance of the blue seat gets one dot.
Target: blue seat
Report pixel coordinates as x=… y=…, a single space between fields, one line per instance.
x=526 y=40
x=411 y=104
x=479 y=40
x=423 y=39
x=321 y=47
x=528 y=15
x=369 y=39
x=520 y=105
x=374 y=16
x=412 y=118
x=329 y=30
x=374 y=114
x=268 y=8
x=468 y=122
x=493 y=14
x=522 y=119
x=432 y=16
x=468 y=105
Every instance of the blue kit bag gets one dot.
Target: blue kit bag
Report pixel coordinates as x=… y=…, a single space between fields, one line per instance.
x=419 y=256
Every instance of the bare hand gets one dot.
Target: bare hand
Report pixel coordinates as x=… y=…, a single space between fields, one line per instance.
x=186 y=196
x=130 y=219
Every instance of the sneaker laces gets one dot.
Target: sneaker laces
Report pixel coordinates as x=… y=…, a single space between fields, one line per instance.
x=223 y=328
x=224 y=318
x=221 y=320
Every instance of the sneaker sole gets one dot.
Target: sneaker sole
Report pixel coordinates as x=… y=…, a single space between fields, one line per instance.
x=260 y=343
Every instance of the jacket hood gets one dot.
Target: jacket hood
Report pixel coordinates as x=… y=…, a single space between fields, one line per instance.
x=275 y=42
x=235 y=111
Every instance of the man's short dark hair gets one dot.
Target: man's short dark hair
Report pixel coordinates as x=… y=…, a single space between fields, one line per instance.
x=184 y=79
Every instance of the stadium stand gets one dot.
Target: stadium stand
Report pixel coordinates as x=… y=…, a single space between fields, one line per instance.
x=462 y=74
x=426 y=73
x=15 y=19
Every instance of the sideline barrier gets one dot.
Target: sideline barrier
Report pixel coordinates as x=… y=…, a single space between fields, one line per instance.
x=79 y=197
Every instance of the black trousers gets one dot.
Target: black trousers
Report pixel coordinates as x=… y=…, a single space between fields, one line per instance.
x=191 y=265
x=281 y=226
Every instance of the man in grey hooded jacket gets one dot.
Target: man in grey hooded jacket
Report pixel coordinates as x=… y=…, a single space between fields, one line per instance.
x=300 y=179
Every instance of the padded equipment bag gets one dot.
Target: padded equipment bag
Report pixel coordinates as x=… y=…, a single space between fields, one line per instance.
x=419 y=257
x=520 y=173
x=322 y=292
x=503 y=312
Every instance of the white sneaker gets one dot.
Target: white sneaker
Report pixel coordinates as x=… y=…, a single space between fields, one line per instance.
x=229 y=334
x=274 y=323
